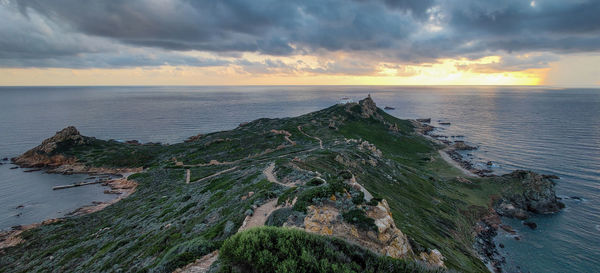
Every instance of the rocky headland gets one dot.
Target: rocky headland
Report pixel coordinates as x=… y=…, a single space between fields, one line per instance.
x=369 y=186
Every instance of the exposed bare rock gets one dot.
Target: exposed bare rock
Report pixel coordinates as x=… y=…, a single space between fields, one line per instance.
x=387 y=240
x=46 y=153
x=434 y=258
x=422 y=128
x=368 y=107
x=346 y=162
x=332 y=125
x=194 y=138
x=460 y=145
x=537 y=196
x=365 y=145
x=13 y=237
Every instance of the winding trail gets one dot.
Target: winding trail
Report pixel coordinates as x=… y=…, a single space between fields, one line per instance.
x=260 y=215
x=201 y=265
x=216 y=174
x=352 y=181
x=268 y=172
x=258 y=218
x=214 y=162
x=313 y=137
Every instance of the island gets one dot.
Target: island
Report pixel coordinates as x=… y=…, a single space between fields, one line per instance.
x=348 y=188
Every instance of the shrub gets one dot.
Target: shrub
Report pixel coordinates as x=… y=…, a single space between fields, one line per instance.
x=186 y=252
x=315 y=181
x=346 y=174
x=358 y=197
x=280 y=216
x=374 y=201
x=271 y=249
x=360 y=219
x=286 y=195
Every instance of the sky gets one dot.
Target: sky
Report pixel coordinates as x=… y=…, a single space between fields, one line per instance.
x=296 y=42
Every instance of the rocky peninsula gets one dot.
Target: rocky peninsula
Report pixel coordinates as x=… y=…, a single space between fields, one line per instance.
x=347 y=188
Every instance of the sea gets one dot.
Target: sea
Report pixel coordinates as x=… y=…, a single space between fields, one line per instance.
x=546 y=129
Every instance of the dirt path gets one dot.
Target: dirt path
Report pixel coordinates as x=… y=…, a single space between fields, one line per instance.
x=368 y=196
x=286 y=135
x=258 y=218
x=452 y=162
x=260 y=215
x=216 y=174
x=213 y=162
x=200 y=265
x=268 y=172
x=313 y=137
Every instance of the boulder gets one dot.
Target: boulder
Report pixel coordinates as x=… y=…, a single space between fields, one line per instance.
x=531 y=225
x=460 y=145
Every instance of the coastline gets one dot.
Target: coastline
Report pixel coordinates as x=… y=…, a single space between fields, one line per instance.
x=481 y=201
x=486 y=229
x=444 y=155
x=122 y=187
x=488 y=226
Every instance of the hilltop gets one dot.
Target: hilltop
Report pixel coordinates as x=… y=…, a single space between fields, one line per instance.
x=347 y=188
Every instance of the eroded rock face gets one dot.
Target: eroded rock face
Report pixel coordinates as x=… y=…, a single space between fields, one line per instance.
x=396 y=242
x=388 y=240
x=46 y=153
x=434 y=257
x=538 y=196
x=368 y=107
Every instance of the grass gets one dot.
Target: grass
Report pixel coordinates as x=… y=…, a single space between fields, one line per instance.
x=166 y=223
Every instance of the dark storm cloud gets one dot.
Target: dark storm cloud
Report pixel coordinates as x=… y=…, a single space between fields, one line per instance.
x=551 y=25
x=266 y=26
x=393 y=30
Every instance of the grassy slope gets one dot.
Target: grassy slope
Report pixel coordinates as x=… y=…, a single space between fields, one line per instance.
x=167 y=223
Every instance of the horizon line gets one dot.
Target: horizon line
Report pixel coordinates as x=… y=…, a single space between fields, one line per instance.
x=307 y=85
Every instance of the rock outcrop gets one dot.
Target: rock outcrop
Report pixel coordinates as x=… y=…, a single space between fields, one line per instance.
x=47 y=153
x=460 y=145
x=537 y=196
x=434 y=257
x=368 y=107
x=387 y=240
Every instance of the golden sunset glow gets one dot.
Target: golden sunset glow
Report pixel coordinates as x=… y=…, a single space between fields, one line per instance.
x=445 y=72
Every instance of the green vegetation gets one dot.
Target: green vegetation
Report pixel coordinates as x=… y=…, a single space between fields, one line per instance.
x=167 y=223
x=101 y=153
x=270 y=249
x=358 y=217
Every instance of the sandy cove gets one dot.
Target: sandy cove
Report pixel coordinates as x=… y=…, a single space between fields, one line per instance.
x=120 y=186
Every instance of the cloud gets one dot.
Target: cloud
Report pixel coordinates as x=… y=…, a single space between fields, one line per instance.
x=88 y=33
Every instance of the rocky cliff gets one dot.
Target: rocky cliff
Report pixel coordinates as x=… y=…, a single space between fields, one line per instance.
x=537 y=195
x=48 y=153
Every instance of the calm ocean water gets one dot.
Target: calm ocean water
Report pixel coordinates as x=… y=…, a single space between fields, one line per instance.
x=550 y=130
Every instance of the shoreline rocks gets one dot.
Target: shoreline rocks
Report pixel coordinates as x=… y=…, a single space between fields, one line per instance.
x=486 y=229
x=537 y=196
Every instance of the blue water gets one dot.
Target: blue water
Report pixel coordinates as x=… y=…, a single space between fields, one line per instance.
x=550 y=130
